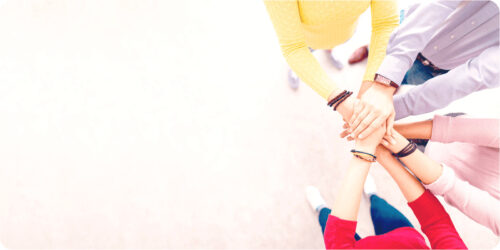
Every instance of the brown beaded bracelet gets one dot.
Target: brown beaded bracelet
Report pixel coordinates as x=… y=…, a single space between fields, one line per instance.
x=362 y=155
x=409 y=149
x=349 y=93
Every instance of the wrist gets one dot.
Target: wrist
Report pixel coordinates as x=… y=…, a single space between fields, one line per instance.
x=365 y=148
x=384 y=88
x=334 y=93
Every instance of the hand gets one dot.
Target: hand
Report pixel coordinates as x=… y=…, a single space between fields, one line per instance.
x=346 y=108
x=375 y=108
x=370 y=143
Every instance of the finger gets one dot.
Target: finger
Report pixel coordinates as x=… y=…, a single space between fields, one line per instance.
x=346 y=126
x=375 y=124
x=385 y=143
x=344 y=134
x=358 y=107
x=350 y=138
x=360 y=118
x=364 y=124
x=390 y=123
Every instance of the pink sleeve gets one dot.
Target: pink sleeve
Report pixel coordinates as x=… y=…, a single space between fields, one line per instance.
x=339 y=233
x=436 y=223
x=483 y=132
x=477 y=204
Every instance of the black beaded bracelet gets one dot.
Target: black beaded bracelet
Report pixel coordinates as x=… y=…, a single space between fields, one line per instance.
x=337 y=98
x=409 y=149
x=349 y=93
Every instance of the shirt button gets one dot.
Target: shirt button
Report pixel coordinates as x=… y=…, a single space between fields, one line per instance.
x=473 y=22
x=452 y=36
x=435 y=47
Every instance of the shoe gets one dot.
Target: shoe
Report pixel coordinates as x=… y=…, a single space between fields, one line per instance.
x=315 y=199
x=359 y=55
x=293 y=80
x=370 y=188
x=334 y=60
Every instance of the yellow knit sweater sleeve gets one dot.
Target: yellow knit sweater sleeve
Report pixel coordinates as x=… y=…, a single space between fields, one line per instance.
x=385 y=19
x=286 y=20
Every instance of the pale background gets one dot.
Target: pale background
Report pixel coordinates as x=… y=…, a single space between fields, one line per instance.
x=169 y=124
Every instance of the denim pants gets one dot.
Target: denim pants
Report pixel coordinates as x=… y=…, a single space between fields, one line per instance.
x=419 y=73
x=385 y=217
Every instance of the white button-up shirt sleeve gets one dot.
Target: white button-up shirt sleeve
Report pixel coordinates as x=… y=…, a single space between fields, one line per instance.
x=478 y=73
x=412 y=36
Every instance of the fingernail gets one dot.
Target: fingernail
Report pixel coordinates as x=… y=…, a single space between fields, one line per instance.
x=360 y=136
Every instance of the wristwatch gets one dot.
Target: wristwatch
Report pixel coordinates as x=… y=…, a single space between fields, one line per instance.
x=382 y=79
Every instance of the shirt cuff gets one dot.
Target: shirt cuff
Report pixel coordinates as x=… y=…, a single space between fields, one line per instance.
x=444 y=183
x=393 y=68
x=440 y=126
x=400 y=107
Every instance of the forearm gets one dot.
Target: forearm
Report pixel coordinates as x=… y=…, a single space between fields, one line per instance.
x=348 y=198
x=385 y=18
x=415 y=130
x=426 y=169
x=481 y=72
x=409 y=186
x=412 y=36
x=478 y=131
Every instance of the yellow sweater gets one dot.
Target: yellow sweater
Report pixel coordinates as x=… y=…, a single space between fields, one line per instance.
x=324 y=24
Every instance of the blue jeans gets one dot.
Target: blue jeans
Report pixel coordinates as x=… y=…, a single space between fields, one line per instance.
x=419 y=73
x=385 y=217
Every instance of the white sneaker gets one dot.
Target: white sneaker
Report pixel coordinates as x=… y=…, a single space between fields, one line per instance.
x=315 y=199
x=370 y=187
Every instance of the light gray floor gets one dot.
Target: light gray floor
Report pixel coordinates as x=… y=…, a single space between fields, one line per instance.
x=144 y=124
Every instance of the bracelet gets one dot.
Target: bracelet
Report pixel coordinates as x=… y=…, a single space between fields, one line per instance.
x=337 y=98
x=349 y=93
x=409 y=149
x=364 y=156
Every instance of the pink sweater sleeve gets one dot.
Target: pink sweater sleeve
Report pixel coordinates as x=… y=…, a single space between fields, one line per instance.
x=477 y=204
x=483 y=132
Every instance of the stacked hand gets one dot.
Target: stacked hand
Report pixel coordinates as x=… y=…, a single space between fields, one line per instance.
x=375 y=108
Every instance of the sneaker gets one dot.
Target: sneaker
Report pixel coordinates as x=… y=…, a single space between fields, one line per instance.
x=370 y=188
x=315 y=199
x=293 y=80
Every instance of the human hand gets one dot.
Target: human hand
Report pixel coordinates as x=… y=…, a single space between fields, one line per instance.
x=345 y=108
x=369 y=143
x=375 y=108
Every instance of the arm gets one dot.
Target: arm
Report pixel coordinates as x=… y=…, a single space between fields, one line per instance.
x=415 y=130
x=345 y=208
x=378 y=97
x=412 y=36
x=285 y=17
x=479 y=73
x=385 y=18
x=441 y=180
x=477 y=204
x=434 y=220
x=483 y=132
